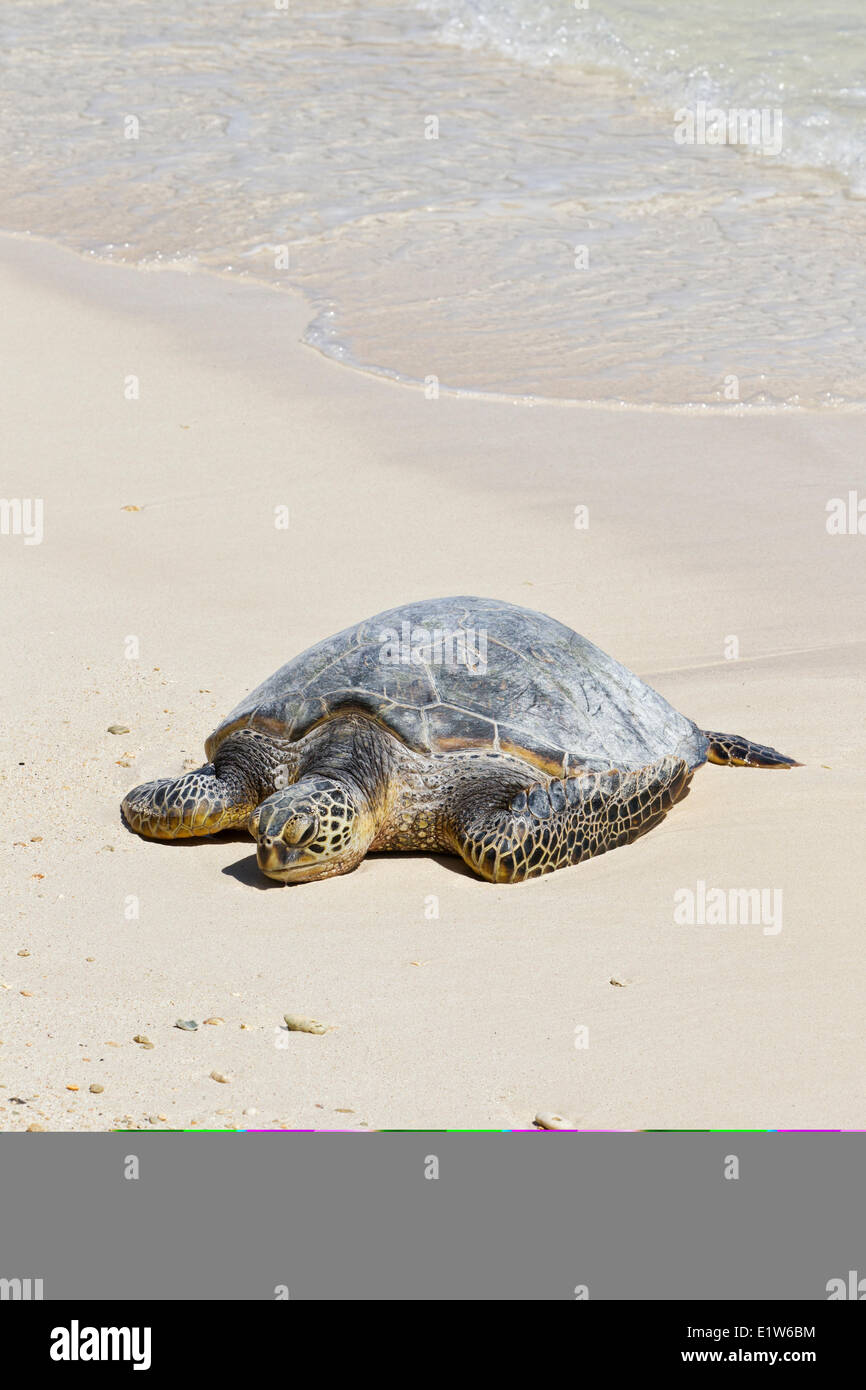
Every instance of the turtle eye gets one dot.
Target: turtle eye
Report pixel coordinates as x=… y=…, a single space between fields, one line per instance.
x=300 y=830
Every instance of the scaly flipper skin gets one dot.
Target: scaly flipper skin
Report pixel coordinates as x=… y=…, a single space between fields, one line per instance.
x=218 y=796
x=553 y=824
x=732 y=750
x=177 y=808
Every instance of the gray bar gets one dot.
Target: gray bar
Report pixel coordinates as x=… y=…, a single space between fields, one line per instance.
x=510 y=1216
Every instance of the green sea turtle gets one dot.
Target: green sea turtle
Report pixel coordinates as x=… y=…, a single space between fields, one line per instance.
x=459 y=725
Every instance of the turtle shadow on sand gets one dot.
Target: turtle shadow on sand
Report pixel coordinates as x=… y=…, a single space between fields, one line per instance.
x=452 y=862
x=247 y=872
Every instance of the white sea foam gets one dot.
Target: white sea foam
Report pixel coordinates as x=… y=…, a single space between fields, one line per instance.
x=809 y=58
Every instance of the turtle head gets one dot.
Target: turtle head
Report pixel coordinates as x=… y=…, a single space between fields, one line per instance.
x=316 y=828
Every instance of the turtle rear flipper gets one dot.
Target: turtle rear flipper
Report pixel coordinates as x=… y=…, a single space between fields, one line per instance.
x=554 y=824
x=732 y=750
x=198 y=803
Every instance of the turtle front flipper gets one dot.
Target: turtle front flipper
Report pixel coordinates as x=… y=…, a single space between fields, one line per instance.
x=198 y=803
x=551 y=825
x=731 y=750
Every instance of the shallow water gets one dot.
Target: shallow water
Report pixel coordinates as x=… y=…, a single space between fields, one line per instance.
x=485 y=195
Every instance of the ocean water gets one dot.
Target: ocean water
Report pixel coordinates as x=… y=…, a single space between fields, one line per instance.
x=530 y=199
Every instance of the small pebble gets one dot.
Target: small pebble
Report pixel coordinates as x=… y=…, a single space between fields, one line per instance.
x=96 y=1089
x=28 y=993
x=251 y=1111
x=24 y=953
x=145 y=1042
x=297 y=1023
x=215 y=1021
x=33 y=1129
x=188 y=1025
x=72 y=1088
x=218 y=1076
x=547 y=1119
x=118 y=729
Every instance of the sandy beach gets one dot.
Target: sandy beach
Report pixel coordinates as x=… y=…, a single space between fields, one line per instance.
x=163 y=418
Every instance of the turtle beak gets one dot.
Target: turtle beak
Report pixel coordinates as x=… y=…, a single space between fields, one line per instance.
x=282 y=844
x=277 y=859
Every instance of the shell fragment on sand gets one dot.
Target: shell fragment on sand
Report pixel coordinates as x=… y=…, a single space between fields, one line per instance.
x=549 y=1119
x=297 y=1023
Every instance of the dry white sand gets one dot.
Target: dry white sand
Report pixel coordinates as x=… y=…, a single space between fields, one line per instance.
x=702 y=528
